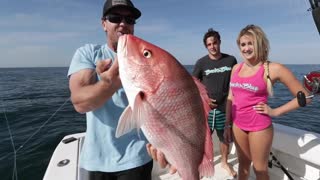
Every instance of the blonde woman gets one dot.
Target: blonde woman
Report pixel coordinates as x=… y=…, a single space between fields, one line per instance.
x=248 y=114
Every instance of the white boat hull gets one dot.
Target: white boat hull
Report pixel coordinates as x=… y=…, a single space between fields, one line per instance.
x=296 y=150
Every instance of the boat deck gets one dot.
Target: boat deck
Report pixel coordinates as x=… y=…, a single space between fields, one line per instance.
x=297 y=150
x=220 y=173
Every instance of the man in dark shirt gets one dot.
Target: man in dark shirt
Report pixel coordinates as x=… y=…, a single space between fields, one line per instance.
x=214 y=70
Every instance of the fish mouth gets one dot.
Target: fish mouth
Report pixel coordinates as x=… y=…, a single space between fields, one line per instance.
x=122 y=54
x=121 y=48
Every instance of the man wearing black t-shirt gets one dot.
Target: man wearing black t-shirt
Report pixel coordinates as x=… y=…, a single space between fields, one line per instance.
x=214 y=70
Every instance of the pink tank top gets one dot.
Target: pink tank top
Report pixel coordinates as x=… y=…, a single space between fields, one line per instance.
x=247 y=92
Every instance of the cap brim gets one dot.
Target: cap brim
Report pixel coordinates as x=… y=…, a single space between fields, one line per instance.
x=136 y=13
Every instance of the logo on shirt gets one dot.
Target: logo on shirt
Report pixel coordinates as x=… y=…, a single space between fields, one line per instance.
x=246 y=86
x=217 y=70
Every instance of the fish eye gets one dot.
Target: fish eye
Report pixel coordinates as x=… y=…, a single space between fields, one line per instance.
x=147 y=54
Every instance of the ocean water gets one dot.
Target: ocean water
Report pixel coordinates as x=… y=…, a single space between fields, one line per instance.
x=36 y=110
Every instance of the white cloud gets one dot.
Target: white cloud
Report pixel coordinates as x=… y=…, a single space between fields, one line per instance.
x=42 y=56
x=57 y=27
x=33 y=38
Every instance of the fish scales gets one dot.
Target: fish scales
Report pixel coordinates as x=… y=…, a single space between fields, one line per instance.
x=165 y=102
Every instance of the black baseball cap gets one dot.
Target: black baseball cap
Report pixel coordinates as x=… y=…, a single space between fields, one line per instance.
x=112 y=4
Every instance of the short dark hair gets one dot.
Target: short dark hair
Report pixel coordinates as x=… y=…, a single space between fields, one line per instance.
x=210 y=33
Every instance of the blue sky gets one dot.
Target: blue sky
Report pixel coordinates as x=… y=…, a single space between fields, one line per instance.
x=46 y=33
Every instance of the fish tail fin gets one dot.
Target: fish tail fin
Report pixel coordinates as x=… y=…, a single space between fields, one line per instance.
x=206 y=168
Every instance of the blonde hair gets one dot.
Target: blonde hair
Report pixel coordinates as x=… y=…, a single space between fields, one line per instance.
x=269 y=83
x=261 y=48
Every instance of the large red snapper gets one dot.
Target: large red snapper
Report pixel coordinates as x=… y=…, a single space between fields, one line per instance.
x=165 y=102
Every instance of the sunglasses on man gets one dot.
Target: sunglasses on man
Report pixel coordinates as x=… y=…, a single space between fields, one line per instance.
x=116 y=18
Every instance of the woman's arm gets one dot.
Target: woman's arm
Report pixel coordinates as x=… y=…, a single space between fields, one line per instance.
x=281 y=73
x=229 y=120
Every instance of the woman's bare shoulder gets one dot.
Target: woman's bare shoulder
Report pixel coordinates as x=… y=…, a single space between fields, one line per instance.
x=278 y=70
x=275 y=66
x=236 y=66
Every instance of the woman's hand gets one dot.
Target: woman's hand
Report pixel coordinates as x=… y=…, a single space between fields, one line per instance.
x=263 y=108
x=159 y=156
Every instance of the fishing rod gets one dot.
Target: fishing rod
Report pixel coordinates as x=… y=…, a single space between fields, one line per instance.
x=274 y=159
x=42 y=126
x=315 y=10
x=311 y=83
x=14 y=173
x=314 y=3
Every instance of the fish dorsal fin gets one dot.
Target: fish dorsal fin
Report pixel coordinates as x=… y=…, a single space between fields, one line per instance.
x=132 y=117
x=204 y=96
x=206 y=167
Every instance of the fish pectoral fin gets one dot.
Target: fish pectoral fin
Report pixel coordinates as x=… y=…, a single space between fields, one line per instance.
x=131 y=118
x=140 y=111
x=126 y=122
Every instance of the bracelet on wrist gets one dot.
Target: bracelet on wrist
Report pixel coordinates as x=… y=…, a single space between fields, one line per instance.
x=228 y=126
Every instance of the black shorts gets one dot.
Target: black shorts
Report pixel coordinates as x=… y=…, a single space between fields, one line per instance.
x=138 y=173
x=219 y=134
